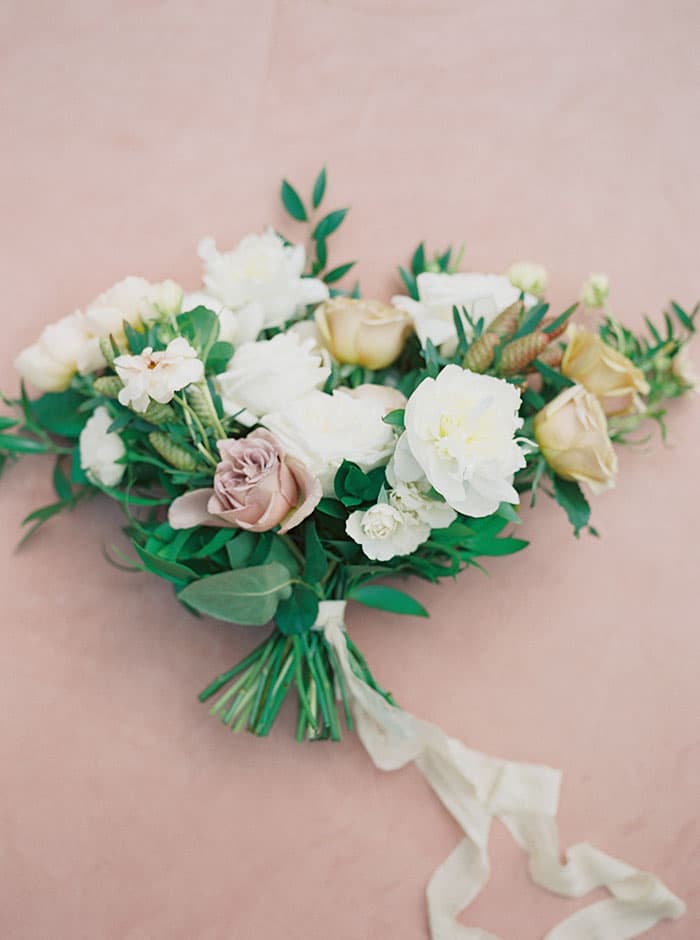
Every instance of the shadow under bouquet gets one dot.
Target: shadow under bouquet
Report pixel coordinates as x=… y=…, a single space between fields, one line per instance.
x=281 y=446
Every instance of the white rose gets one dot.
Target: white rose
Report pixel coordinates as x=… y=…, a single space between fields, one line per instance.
x=52 y=361
x=265 y=376
x=384 y=532
x=262 y=272
x=323 y=430
x=234 y=328
x=157 y=375
x=483 y=295
x=459 y=436
x=528 y=277
x=101 y=450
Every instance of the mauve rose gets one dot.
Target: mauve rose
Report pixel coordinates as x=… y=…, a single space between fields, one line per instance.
x=256 y=487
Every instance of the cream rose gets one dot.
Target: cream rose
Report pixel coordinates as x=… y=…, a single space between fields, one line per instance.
x=610 y=376
x=101 y=450
x=323 y=430
x=460 y=430
x=572 y=434
x=483 y=295
x=156 y=376
x=257 y=486
x=263 y=273
x=265 y=376
x=363 y=332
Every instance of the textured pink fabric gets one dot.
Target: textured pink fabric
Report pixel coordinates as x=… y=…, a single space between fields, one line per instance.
x=567 y=133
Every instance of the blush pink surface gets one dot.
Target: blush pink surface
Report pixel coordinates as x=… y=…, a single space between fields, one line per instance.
x=565 y=133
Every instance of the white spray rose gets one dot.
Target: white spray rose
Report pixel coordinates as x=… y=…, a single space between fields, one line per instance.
x=528 y=277
x=459 y=436
x=595 y=290
x=157 y=375
x=384 y=532
x=261 y=272
x=483 y=295
x=234 y=328
x=101 y=450
x=266 y=376
x=323 y=430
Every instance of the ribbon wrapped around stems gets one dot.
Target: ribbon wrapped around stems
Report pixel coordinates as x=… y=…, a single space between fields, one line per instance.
x=475 y=788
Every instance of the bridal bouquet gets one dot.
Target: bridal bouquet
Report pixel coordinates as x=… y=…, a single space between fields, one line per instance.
x=281 y=445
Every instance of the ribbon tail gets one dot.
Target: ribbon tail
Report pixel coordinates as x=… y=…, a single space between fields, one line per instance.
x=474 y=788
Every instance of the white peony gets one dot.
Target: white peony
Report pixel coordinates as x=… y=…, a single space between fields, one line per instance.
x=157 y=375
x=72 y=344
x=265 y=376
x=384 y=532
x=483 y=295
x=323 y=430
x=52 y=361
x=459 y=436
x=234 y=328
x=261 y=272
x=101 y=450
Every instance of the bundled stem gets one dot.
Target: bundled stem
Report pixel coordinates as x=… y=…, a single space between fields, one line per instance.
x=256 y=687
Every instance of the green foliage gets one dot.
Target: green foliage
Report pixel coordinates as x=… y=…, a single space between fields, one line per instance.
x=319 y=189
x=395 y=418
x=570 y=497
x=387 y=598
x=329 y=224
x=201 y=328
x=353 y=486
x=297 y=613
x=58 y=413
x=292 y=202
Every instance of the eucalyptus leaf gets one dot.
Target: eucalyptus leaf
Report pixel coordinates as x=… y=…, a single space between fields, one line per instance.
x=247 y=596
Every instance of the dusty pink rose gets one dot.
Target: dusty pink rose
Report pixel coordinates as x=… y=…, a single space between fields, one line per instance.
x=256 y=487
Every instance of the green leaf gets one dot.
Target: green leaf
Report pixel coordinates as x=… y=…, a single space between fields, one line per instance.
x=57 y=412
x=557 y=379
x=332 y=507
x=462 y=341
x=201 y=327
x=77 y=474
x=492 y=546
x=387 y=598
x=409 y=282
x=337 y=273
x=652 y=329
x=329 y=224
x=432 y=359
x=560 y=320
x=316 y=563
x=292 y=202
x=7 y=423
x=218 y=358
x=570 y=497
x=61 y=484
x=321 y=254
x=418 y=260
x=395 y=418
x=241 y=548
x=685 y=320
x=319 y=189
x=353 y=486
x=219 y=538
x=21 y=445
x=170 y=570
x=532 y=320
x=246 y=596
x=280 y=551
x=136 y=341
x=298 y=612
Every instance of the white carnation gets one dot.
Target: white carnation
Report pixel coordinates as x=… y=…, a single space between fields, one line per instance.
x=459 y=436
x=483 y=295
x=323 y=430
x=266 y=376
x=101 y=450
x=384 y=532
x=261 y=272
x=157 y=375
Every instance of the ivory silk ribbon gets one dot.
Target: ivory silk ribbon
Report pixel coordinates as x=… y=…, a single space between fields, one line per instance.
x=475 y=788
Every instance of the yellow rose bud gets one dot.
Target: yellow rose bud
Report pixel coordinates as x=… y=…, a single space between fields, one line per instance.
x=595 y=290
x=363 y=332
x=610 y=376
x=572 y=433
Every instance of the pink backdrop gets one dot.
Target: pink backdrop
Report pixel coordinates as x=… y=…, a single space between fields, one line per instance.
x=567 y=133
